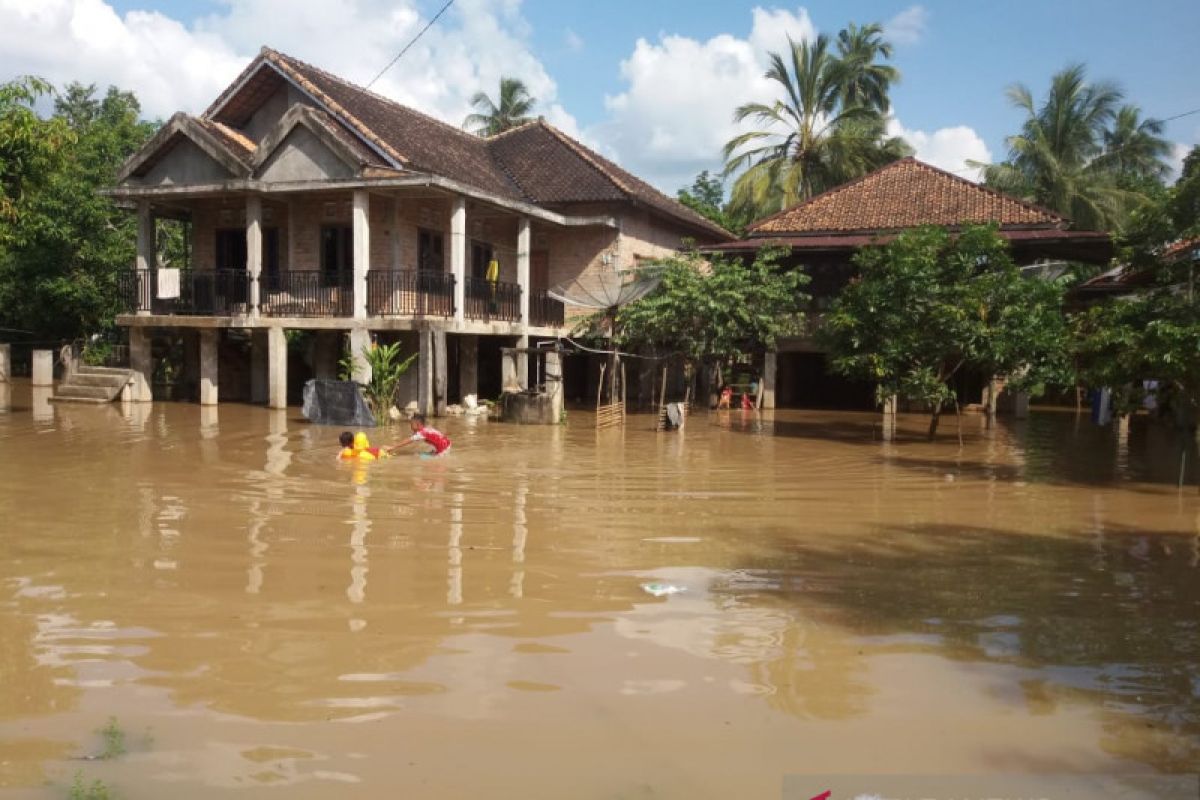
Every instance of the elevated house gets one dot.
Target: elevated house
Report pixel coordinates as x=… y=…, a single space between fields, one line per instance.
x=824 y=233
x=315 y=205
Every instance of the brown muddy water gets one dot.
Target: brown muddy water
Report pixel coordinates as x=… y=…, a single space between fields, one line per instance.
x=264 y=622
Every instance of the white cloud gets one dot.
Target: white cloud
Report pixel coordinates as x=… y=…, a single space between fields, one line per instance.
x=907 y=27
x=173 y=67
x=1179 y=151
x=677 y=109
x=947 y=148
x=573 y=41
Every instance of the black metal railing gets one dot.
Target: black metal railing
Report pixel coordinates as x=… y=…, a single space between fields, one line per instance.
x=544 y=310
x=135 y=288
x=487 y=301
x=219 y=292
x=308 y=293
x=393 y=293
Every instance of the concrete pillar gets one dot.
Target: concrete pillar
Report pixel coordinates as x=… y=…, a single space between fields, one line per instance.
x=1021 y=405
x=508 y=371
x=458 y=255
x=254 y=249
x=293 y=237
x=276 y=368
x=440 y=376
x=468 y=365
x=425 y=367
x=770 y=368
x=209 y=361
x=43 y=368
x=5 y=363
x=554 y=384
x=890 y=406
x=523 y=246
x=360 y=340
x=142 y=365
x=523 y=363
x=362 y=250
x=258 y=366
x=146 y=246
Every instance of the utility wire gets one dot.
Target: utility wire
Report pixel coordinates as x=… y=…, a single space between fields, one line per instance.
x=413 y=41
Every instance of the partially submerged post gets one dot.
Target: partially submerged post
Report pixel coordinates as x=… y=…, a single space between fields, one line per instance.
x=43 y=368
x=542 y=402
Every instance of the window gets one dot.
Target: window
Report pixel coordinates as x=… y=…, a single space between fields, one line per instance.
x=481 y=254
x=230 y=251
x=337 y=255
x=431 y=253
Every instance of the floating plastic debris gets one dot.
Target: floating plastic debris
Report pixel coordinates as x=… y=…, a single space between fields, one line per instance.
x=662 y=589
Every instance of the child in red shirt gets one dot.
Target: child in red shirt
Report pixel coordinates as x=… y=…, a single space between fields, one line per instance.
x=423 y=433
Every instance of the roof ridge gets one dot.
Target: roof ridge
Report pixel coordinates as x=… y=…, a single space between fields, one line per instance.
x=996 y=192
x=374 y=95
x=513 y=129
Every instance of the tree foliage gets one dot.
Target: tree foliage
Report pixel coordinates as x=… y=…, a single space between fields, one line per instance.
x=512 y=107
x=30 y=147
x=1080 y=152
x=61 y=254
x=706 y=196
x=931 y=304
x=827 y=126
x=710 y=311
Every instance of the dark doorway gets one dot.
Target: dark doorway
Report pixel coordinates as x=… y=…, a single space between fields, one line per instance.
x=804 y=380
x=488 y=366
x=337 y=254
x=230 y=250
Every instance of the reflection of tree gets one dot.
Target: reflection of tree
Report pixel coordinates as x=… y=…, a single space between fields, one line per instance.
x=1113 y=619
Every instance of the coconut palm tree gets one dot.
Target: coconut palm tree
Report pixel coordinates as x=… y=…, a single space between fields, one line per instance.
x=1056 y=159
x=867 y=80
x=1134 y=147
x=512 y=109
x=809 y=140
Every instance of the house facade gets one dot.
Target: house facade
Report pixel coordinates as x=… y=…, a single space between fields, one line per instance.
x=823 y=234
x=315 y=206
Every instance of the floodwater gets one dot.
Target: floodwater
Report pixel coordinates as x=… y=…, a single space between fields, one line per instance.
x=262 y=621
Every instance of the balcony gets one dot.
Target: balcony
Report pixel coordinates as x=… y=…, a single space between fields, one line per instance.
x=492 y=302
x=221 y=292
x=544 y=310
x=405 y=293
x=307 y=293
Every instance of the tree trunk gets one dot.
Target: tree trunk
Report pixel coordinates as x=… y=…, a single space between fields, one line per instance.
x=934 y=418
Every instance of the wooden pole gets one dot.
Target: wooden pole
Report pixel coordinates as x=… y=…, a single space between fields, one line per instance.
x=600 y=386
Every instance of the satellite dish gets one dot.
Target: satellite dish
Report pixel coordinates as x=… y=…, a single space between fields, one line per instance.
x=607 y=288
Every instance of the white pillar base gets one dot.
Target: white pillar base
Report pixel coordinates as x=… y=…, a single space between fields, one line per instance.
x=360 y=340
x=276 y=368
x=43 y=368
x=5 y=363
x=770 y=368
x=141 y=363
x=209 y=365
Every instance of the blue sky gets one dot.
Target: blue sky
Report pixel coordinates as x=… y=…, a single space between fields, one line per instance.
x=661 y=106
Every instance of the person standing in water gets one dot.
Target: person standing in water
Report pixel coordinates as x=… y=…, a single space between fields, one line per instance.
x=423 y=433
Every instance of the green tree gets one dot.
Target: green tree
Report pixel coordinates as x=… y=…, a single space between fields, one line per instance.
x=59 y=271
x=706 y=196
x=512 y=108
x=1059 y=160
x=810 y=139
x=711 y=311
x=931 y=304
x=30 y=147
x=1134 y=148
x=868 y=80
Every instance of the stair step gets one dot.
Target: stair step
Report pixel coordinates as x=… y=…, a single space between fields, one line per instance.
x=84 y=369
x=116 y=380
x=96 y=401
x=74 y=391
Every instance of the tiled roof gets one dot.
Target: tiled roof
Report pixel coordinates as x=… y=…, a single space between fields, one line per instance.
x=241 y=146
x=551 y=167
x=534 y=163
x=905 y=194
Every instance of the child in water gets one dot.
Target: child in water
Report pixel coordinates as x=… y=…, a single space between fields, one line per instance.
x=356 y=447
x=423 y=433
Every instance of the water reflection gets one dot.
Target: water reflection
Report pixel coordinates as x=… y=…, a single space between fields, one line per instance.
x=198 y=579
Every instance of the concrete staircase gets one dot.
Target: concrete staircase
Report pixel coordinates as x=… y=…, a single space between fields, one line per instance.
x=93 y=385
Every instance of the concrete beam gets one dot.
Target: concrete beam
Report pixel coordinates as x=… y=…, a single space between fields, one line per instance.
x=276 y=368
x=458 y=254
x=361 y=238
x=209 y=365
x=142 y=364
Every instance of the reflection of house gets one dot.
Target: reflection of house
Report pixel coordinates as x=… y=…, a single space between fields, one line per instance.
x=824 y=233
x=316 y=205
